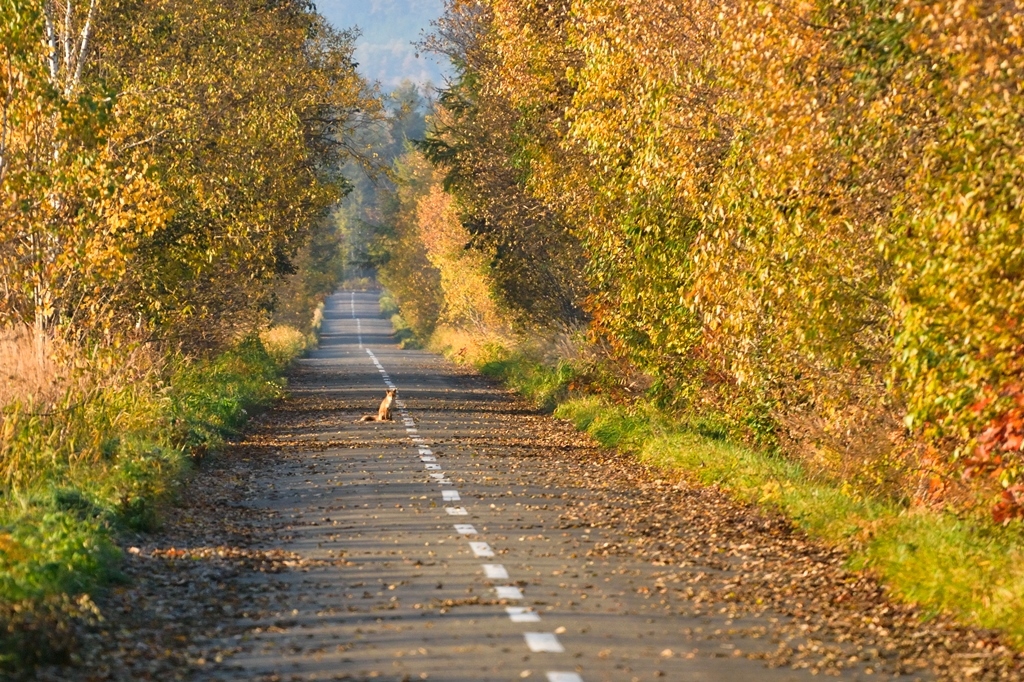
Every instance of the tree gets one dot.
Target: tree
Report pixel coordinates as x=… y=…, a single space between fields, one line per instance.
x=164 y=161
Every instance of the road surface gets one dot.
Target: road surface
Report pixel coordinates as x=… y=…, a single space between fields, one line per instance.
x=465 y=541
x=473 y=538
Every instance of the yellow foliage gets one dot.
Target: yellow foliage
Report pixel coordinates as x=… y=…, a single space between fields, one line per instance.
x=162 y=179
x=284 y=343
x=802 y=216
x=468 y=301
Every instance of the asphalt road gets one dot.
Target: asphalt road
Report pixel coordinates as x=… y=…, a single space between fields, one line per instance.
x=470 y=539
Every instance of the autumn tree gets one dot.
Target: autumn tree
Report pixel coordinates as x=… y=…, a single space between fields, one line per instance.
x=164 y=161
x=72 y=210
x=798 y=218
x=488 y=139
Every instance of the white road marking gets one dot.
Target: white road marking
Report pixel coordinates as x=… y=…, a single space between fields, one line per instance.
x=481 y=549
x=521 y=614
x=495 y=571
x=543 y=642
x=538 y=642
x=508 y=592
x=564 y=677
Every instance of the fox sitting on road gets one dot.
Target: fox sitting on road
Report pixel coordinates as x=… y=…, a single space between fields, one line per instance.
x=384 y=411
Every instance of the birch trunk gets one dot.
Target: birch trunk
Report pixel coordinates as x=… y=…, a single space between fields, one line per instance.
x=68 y=41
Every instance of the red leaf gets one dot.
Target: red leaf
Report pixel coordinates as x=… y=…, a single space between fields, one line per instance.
x=989 y=434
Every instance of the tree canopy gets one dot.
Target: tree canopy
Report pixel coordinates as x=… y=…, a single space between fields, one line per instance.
x=800 y=220
x=162 y=162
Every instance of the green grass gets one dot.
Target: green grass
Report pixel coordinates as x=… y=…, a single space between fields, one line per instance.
x=404 y=334
x=544 y=386
x=100 y=465
x=966 y=567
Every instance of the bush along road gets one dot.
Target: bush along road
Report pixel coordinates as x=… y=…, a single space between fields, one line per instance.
x=474 y=539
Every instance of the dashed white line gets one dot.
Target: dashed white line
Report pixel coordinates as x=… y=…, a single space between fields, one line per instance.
x=522 y=614
x=564 y=677
x=353 y=302
x=481 y=549
x=543 y=642
x=508 y=592
x=495 y=571
x=538 y=642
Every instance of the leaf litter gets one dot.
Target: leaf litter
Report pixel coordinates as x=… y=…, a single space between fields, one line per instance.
x=211 y=576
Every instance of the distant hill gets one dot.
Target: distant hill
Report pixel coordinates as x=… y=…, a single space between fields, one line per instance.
x=389 y=27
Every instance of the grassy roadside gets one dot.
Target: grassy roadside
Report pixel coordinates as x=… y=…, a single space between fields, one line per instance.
x=967 y=567
x=101 y=462
x=404 y=334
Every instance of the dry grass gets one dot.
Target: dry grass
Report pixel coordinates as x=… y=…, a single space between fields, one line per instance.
x=63 y=404
x=284 y=343
x=470 y=347
x=31 y=369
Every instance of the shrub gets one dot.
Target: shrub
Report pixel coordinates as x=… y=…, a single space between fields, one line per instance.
x=103 y=456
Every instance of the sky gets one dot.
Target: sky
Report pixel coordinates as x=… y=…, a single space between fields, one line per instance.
x=384 y=51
